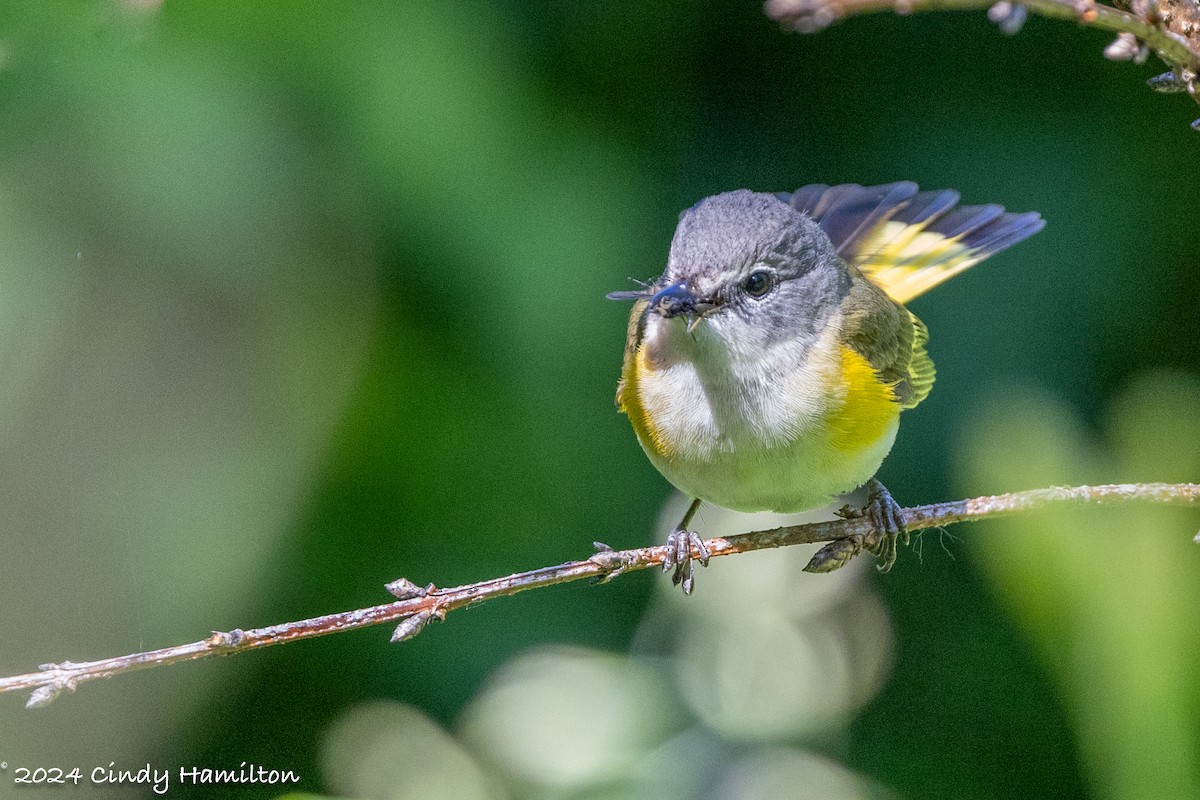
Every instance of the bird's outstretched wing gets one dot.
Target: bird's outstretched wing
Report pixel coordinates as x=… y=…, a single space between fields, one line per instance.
x=907 y=241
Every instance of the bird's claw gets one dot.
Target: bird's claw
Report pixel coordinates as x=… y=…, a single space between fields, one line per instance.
x=888 y=520
x=680 y=545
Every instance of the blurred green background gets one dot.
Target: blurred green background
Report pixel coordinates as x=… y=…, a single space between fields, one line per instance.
x=299 y=298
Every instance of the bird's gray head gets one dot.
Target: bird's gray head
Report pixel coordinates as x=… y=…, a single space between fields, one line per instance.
x=752 y=268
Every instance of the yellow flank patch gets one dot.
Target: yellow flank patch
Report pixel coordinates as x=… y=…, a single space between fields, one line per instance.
x=866 y=414
x=868 y=410
x=630 y=402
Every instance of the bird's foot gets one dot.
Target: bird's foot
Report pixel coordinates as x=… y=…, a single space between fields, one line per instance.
x=680 y=545
x=887 y=517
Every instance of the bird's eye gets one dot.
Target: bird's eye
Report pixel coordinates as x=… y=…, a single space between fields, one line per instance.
x=758 y=283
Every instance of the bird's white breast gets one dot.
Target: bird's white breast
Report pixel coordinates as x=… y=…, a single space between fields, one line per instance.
x=750 y=431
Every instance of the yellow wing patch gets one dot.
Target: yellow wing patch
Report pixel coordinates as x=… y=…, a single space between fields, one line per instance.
x=907 y=260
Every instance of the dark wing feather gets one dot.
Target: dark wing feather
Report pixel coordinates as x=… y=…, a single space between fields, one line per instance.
x=907 y=241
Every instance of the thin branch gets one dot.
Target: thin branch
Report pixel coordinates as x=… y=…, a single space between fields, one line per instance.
x=1171 y=28
x=417 y=607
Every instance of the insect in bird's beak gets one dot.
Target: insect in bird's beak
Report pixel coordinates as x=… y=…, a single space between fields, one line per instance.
x=677 y=300
x=643 y=293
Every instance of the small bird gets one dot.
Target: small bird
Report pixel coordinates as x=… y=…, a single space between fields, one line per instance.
x=766 y=369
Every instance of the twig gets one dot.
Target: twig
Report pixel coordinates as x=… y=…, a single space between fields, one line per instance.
x=1171 y=28
x=417 y=607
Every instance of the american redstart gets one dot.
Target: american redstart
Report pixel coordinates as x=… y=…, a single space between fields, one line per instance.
x=766 y=369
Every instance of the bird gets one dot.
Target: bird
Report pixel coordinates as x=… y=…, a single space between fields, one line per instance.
x=767 y=367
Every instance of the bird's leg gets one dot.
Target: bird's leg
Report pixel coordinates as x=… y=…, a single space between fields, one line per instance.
x=887 y=517
x=679 y=551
